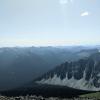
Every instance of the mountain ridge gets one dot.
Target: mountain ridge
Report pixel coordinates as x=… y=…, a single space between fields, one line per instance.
x=83 y=74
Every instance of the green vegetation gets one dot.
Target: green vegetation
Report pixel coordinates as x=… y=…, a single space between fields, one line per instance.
x=91 y=95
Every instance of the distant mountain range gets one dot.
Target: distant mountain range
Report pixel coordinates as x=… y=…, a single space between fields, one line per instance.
x=20 y=65
x=69 y=79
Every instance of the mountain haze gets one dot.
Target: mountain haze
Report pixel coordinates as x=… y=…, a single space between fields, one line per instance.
x=19 y=65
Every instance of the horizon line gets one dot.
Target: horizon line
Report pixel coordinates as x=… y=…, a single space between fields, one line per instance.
x=22 y=46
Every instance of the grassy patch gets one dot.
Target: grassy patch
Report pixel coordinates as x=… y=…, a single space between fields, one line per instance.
x=91 y=95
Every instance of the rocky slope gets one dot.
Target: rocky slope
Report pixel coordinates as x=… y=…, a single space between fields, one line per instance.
x=83 y=74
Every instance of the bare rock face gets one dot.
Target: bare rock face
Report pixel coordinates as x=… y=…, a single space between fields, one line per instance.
x=83 y=74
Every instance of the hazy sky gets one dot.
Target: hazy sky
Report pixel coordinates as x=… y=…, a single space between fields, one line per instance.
x=49 y=22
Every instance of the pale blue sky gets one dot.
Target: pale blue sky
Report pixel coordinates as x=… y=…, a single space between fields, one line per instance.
x=49 y=22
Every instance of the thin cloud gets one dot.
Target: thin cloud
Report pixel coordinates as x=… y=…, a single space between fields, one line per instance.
x=86 y=13
x=71 y=1
x=65 y=1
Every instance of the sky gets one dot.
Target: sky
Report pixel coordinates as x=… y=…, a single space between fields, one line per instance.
x=49 y=22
